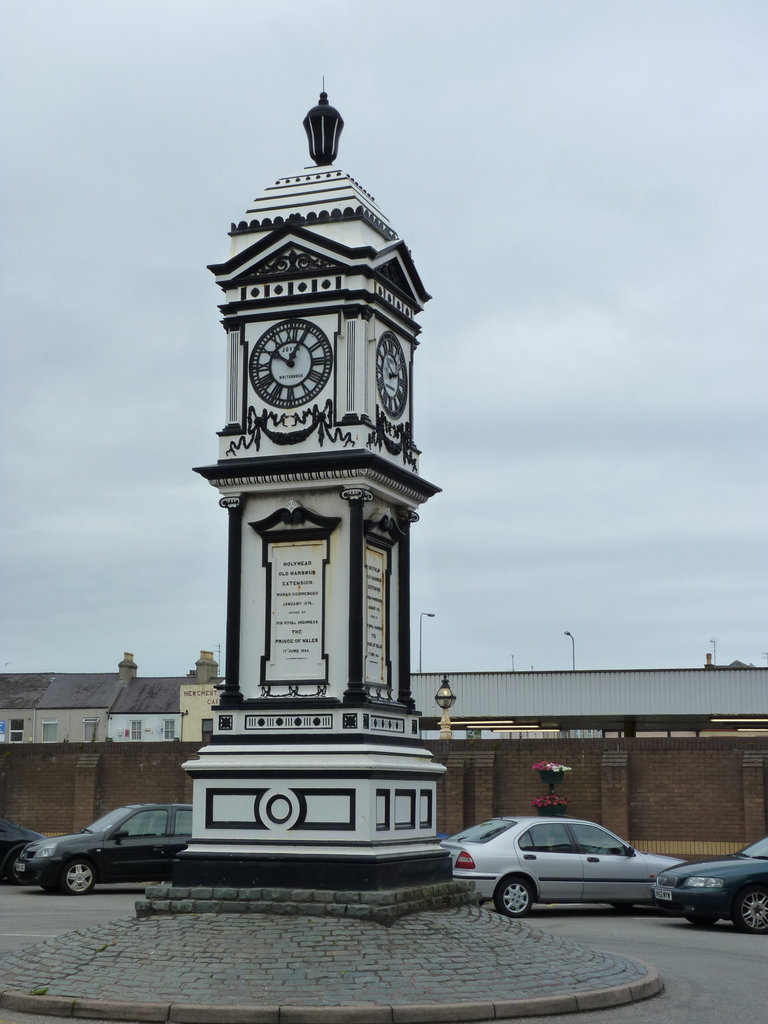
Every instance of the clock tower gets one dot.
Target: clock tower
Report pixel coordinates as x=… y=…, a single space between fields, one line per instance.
x=315 y=775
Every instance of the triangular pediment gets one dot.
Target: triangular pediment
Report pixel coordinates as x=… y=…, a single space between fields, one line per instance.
x=395 y=269
x=289 y=260
x=280 y=242
x=392 y=272
x=292 y=250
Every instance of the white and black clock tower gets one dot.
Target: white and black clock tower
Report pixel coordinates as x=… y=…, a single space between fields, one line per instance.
x=316 y=776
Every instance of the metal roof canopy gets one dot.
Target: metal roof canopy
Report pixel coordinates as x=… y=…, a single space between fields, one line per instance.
x=641 y=700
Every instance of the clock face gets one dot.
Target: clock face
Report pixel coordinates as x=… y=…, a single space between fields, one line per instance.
x=291 y=363
x=391 y=374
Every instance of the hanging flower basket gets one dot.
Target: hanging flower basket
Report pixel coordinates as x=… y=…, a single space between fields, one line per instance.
x=557 y=811
x=550 y=772
x=550 y=805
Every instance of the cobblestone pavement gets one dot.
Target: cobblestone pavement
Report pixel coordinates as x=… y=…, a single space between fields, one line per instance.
x=461 y=956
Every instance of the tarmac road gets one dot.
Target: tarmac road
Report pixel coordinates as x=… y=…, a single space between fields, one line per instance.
x=29 y=915
x=711 y=976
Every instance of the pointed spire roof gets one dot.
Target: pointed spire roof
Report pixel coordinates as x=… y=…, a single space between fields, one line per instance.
x=318 y=197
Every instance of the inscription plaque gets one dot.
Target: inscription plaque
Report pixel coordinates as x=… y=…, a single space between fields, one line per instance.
x=375 y=583
x=296 y=611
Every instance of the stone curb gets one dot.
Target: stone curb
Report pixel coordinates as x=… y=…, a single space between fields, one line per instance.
x=419 y=1013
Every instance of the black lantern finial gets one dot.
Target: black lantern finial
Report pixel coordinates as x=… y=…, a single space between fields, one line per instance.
x=323 y=125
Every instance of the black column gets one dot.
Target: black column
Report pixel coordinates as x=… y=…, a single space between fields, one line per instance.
x=231 y=695
x=357 y=497
x=405 y=518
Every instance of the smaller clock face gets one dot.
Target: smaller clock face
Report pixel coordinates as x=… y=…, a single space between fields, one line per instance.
x=291 y=363
x=391 y=374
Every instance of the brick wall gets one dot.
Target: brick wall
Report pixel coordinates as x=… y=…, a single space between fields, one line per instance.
x=686 y=796
x=60 y=787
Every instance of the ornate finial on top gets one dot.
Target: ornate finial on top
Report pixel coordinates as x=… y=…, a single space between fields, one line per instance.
x=323 y=126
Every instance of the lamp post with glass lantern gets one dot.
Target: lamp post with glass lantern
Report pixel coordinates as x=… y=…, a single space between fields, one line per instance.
x=445 y=698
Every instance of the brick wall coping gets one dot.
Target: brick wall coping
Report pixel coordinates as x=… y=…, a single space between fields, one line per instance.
x=381 y=906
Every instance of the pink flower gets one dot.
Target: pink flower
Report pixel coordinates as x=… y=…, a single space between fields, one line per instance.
x=550 y=800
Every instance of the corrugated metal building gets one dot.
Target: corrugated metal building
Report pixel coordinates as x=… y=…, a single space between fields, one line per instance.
x=694 y=700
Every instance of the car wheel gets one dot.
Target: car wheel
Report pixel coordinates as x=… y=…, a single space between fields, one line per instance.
x=513 y=897
x=77 y=878
x=701 y=920
x=750 y=909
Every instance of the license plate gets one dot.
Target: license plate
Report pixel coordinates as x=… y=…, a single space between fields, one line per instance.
x=662 y=894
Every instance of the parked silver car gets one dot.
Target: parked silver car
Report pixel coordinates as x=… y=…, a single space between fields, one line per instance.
x=519 y=861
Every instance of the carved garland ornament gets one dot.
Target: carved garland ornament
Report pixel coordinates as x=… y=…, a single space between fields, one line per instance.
x=395 y=437
x=277 y=427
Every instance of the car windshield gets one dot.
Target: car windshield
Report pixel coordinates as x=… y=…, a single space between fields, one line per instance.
x=484 y=832
x=102 y=824
x=758 y=849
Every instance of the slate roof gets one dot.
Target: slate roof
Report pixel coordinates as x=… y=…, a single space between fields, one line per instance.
x=49 y=690
x=80 y=690
x=148 y=696
x=23 y=689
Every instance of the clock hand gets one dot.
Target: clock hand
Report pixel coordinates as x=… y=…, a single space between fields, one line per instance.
x=278 y=353
x=297 y=346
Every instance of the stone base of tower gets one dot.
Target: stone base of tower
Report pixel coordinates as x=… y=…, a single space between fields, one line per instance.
x=331 y=798
x=292 y=872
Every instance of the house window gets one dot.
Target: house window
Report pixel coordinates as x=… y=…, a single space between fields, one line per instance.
x=207 y=730
x=169 y=729
x=136 y=730
x=90 y=728
x=16 y=734
x=50 y=730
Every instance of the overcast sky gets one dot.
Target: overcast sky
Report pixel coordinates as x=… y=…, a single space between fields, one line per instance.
x=583 y=186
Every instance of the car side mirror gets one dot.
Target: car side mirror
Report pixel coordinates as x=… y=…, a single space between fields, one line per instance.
x=630 y=851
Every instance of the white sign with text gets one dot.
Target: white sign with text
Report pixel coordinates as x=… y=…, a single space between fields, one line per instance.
x=375 y=581
x=297 y=611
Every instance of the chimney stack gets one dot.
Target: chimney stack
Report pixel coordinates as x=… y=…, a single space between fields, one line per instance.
x=709 y=661
x=206 y=668
x=127 y=668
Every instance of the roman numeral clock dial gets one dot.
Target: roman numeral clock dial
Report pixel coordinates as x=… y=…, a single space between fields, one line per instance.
x=290 y=364
x=391 y=375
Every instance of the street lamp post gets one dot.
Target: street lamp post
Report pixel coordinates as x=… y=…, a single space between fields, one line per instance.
x=429 y=615
x=445 y=698
x=573 y=649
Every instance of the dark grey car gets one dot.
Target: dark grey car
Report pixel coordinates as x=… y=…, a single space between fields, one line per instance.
x=13 y=839
x=136 y=843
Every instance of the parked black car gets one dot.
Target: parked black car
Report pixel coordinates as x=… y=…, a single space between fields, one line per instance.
x=735 y=887
x=136 y=843
x=13 y=839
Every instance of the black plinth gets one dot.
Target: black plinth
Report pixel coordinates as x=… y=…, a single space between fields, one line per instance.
x=361 y=873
